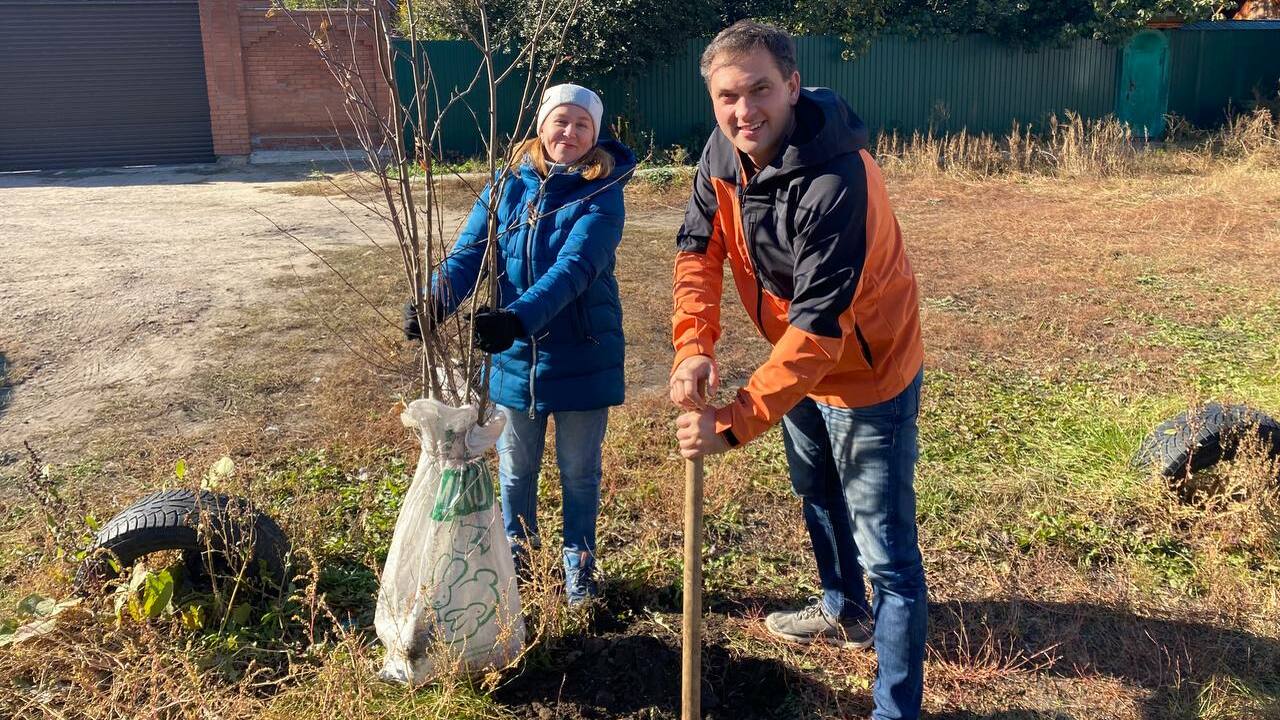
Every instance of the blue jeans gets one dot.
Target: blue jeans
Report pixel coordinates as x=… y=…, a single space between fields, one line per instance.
x=579 y=437
x=854 y=470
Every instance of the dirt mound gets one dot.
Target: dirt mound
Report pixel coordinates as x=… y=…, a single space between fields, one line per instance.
x=634 y=676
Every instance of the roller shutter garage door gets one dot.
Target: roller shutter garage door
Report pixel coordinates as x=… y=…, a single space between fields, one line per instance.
x=96 y=83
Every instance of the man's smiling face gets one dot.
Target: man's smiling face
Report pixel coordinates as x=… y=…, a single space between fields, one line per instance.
x=753 y=102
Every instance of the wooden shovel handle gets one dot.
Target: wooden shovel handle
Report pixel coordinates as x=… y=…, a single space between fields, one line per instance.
x=691 y=644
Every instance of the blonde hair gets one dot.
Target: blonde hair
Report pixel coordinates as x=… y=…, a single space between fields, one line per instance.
x=596 y=164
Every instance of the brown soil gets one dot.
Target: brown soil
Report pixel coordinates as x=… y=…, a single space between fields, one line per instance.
x=120 y=288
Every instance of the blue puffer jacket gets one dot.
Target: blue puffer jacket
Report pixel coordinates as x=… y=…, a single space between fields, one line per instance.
x=558 y=277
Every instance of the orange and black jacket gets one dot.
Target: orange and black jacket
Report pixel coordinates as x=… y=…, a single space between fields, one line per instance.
x=819 y=263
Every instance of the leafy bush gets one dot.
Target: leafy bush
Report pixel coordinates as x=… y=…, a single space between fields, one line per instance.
x=1023 y=23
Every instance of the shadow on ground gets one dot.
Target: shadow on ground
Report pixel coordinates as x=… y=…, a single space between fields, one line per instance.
x=6 y=389
x=612 y=674
x=1174 y=660
x=1015 y=714
x=638 y=676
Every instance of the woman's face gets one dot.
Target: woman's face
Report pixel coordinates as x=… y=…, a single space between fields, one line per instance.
x=567 y=134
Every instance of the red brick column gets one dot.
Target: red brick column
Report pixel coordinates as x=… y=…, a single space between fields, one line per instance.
x=292 y=99
x=224 y=75
x=268 y=88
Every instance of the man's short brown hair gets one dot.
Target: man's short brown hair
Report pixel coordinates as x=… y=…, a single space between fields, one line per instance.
x=745 y=36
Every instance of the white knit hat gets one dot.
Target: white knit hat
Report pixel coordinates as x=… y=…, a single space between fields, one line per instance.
x=570 y=94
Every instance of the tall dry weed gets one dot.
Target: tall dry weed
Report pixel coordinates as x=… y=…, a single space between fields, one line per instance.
x=1068 y=147
x=1252 y=137
x=1241 y=502
x=959 y=154
x=1076 y=147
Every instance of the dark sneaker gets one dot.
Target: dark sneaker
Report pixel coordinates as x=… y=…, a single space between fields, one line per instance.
x=579 y=576
x=813 y=625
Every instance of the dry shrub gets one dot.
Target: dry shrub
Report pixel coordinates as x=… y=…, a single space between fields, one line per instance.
x=87 y=668
x=1228 y=526
x=961 y=154
x=984 y=654
x=1252 y=137
x=219 y=647
x=93 y=665
x=1071 y=148
x=1079 y=147
x=1241 y=511
x=1178 y=129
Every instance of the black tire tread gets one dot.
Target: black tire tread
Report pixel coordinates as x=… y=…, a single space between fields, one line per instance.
x=1202 y=437
x=168 y=520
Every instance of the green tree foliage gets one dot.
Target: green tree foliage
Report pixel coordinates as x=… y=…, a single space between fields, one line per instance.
x=624 y=36
x=1023 y=23
x=595 y=38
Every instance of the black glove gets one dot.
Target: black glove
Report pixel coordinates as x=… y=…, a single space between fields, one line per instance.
x=409 y=322
x=495 y=330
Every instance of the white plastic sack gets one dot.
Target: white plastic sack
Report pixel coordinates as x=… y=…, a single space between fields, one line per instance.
x=448 y=599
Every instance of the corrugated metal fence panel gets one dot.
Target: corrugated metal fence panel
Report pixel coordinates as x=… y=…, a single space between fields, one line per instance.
x=666 y=106
x=1214 y=69
x=969 y=82
x=1232 y=25
x=97 y=83
x=652 y=105
x=452 y=67
x=947 y=84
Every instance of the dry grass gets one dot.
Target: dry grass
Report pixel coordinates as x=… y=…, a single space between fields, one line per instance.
x=1076 y=147
x=1070 y=303
x=1073 y=147
x=1253 y=137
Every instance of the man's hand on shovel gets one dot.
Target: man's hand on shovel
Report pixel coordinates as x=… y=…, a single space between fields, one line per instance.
x=691 y=386
x=693 y=382
x=697 y=436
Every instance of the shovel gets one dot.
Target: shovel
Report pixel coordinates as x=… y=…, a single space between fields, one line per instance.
x=691 y=643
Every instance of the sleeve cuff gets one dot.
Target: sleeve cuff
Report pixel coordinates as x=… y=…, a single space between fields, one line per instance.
x=522 y=315
x=691 y=349
x=729 y=437
x=724 y=425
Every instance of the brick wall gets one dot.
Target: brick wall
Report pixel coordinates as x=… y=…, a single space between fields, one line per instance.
x=224 y=75
x=268 y=88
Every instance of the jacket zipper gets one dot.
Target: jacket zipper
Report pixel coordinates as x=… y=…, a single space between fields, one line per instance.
x=528 y=266
x=748 y=232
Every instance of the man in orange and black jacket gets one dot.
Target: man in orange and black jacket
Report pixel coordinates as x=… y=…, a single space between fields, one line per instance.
x=787 y=193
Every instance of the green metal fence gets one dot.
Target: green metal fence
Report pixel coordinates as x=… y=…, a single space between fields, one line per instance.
x=972 y=82
x=1216 y=66
x=946 y=84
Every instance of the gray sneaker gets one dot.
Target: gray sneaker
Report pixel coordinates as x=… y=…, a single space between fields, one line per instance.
x=813 y=624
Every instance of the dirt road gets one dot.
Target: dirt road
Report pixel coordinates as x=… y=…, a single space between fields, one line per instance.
x=113 y=284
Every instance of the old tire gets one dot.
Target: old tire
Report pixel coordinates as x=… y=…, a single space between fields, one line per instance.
x=1197 y=439
x=174 y=520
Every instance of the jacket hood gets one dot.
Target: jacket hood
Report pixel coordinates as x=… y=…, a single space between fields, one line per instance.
x=624 y=161
x=624 y=165
x=825 y=127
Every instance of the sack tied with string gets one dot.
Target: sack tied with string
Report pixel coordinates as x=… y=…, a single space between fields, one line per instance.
x=448 y=600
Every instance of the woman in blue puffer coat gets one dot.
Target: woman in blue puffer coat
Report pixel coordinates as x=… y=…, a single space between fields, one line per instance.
x=556 y=341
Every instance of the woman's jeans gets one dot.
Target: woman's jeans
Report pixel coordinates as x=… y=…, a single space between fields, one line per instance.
x=854 y=470
x=579 y=436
